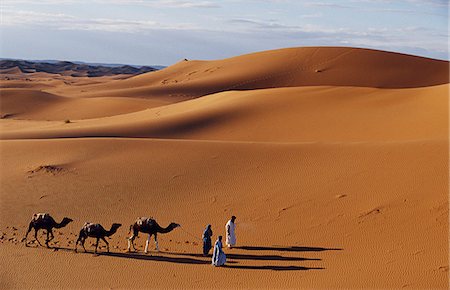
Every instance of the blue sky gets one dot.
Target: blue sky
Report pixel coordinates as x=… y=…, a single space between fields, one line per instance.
x=165 y=31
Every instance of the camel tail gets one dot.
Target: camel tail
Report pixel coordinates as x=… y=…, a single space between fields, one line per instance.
x=81 y=234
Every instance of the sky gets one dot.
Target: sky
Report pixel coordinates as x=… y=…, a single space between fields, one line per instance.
x=162 y=32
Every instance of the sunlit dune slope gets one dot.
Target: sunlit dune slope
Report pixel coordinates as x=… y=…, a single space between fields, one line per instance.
x=273 y=115
x=292 y=67
x=384 y=204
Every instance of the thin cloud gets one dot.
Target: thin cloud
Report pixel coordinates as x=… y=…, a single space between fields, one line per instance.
x=61 y=21
x=149 y=3
x=435 y=3
x=327 y=5
x=385 y=38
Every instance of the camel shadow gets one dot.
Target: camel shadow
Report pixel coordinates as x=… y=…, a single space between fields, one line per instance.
x=158 y=258
x=49 y=248
x=137 y=256
x=287 y=249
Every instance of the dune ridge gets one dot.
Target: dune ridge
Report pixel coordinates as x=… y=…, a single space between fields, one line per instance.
x=292 y=67
x=280 y=115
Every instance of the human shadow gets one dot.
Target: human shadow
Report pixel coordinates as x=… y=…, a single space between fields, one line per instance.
x=273 y=268
x=254 y=257
x=287 y=249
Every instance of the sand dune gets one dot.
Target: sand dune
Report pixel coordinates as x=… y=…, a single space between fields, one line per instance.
x=334 y=160
x=68 y=68
x=293 y=67
x=39 y=105
x=383 y=204
x=305 y=114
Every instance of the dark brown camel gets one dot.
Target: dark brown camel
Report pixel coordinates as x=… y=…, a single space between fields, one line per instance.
x=95 y=231
x=148 y=226
x=46 y=222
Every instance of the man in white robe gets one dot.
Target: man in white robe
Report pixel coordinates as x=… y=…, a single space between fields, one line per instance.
x=231 y=232
x=218 y=258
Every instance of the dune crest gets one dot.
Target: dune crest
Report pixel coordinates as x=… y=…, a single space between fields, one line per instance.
x=291 y=67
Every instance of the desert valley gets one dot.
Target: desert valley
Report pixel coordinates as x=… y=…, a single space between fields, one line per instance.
x=333 y=159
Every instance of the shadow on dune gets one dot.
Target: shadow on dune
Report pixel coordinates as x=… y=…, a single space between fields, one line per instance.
x=158 y=258
x=253 y=257
x=287 y=249
x=273 y=268
x=183 y=259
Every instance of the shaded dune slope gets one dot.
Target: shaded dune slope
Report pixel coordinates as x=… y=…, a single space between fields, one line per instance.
x=38 y=105
x=292 y=67
x=276 y=115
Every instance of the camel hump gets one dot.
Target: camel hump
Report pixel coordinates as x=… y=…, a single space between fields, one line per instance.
x=40 y=216
x=144 y=220
x=150 y=221
x=90 y=227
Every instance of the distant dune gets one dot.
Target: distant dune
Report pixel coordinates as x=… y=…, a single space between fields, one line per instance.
x=70 y=68
x=334 y=160
x=292 y=67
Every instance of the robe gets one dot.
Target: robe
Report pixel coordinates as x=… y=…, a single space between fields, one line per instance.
x=231 y=237
x=218 y=258
x=207 y=240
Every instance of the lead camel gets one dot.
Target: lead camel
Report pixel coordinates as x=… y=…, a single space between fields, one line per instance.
x=151 y=227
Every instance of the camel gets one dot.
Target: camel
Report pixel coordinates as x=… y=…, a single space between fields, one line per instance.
x=46 y=222
x=150 y=227
x=95 y=231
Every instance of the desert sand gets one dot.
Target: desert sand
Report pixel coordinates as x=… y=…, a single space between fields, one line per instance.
x=334 y=160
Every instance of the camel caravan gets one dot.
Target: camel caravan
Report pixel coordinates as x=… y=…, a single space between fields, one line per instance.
x=91 y=230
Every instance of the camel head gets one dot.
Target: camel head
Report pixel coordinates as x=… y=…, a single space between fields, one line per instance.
x=174 y=225
x=114 y=228
x=63 y=223
x=66 y=221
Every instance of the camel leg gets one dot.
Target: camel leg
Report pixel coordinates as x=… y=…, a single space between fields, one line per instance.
x=107 y=244
x=96 y=246
x=47 y=239
x=26 y=235
x=156 y=242
x=82 y=244
x=131 y=243
x=146 y=243
x=35 y=237
x=52 y=236
x=78 y=241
